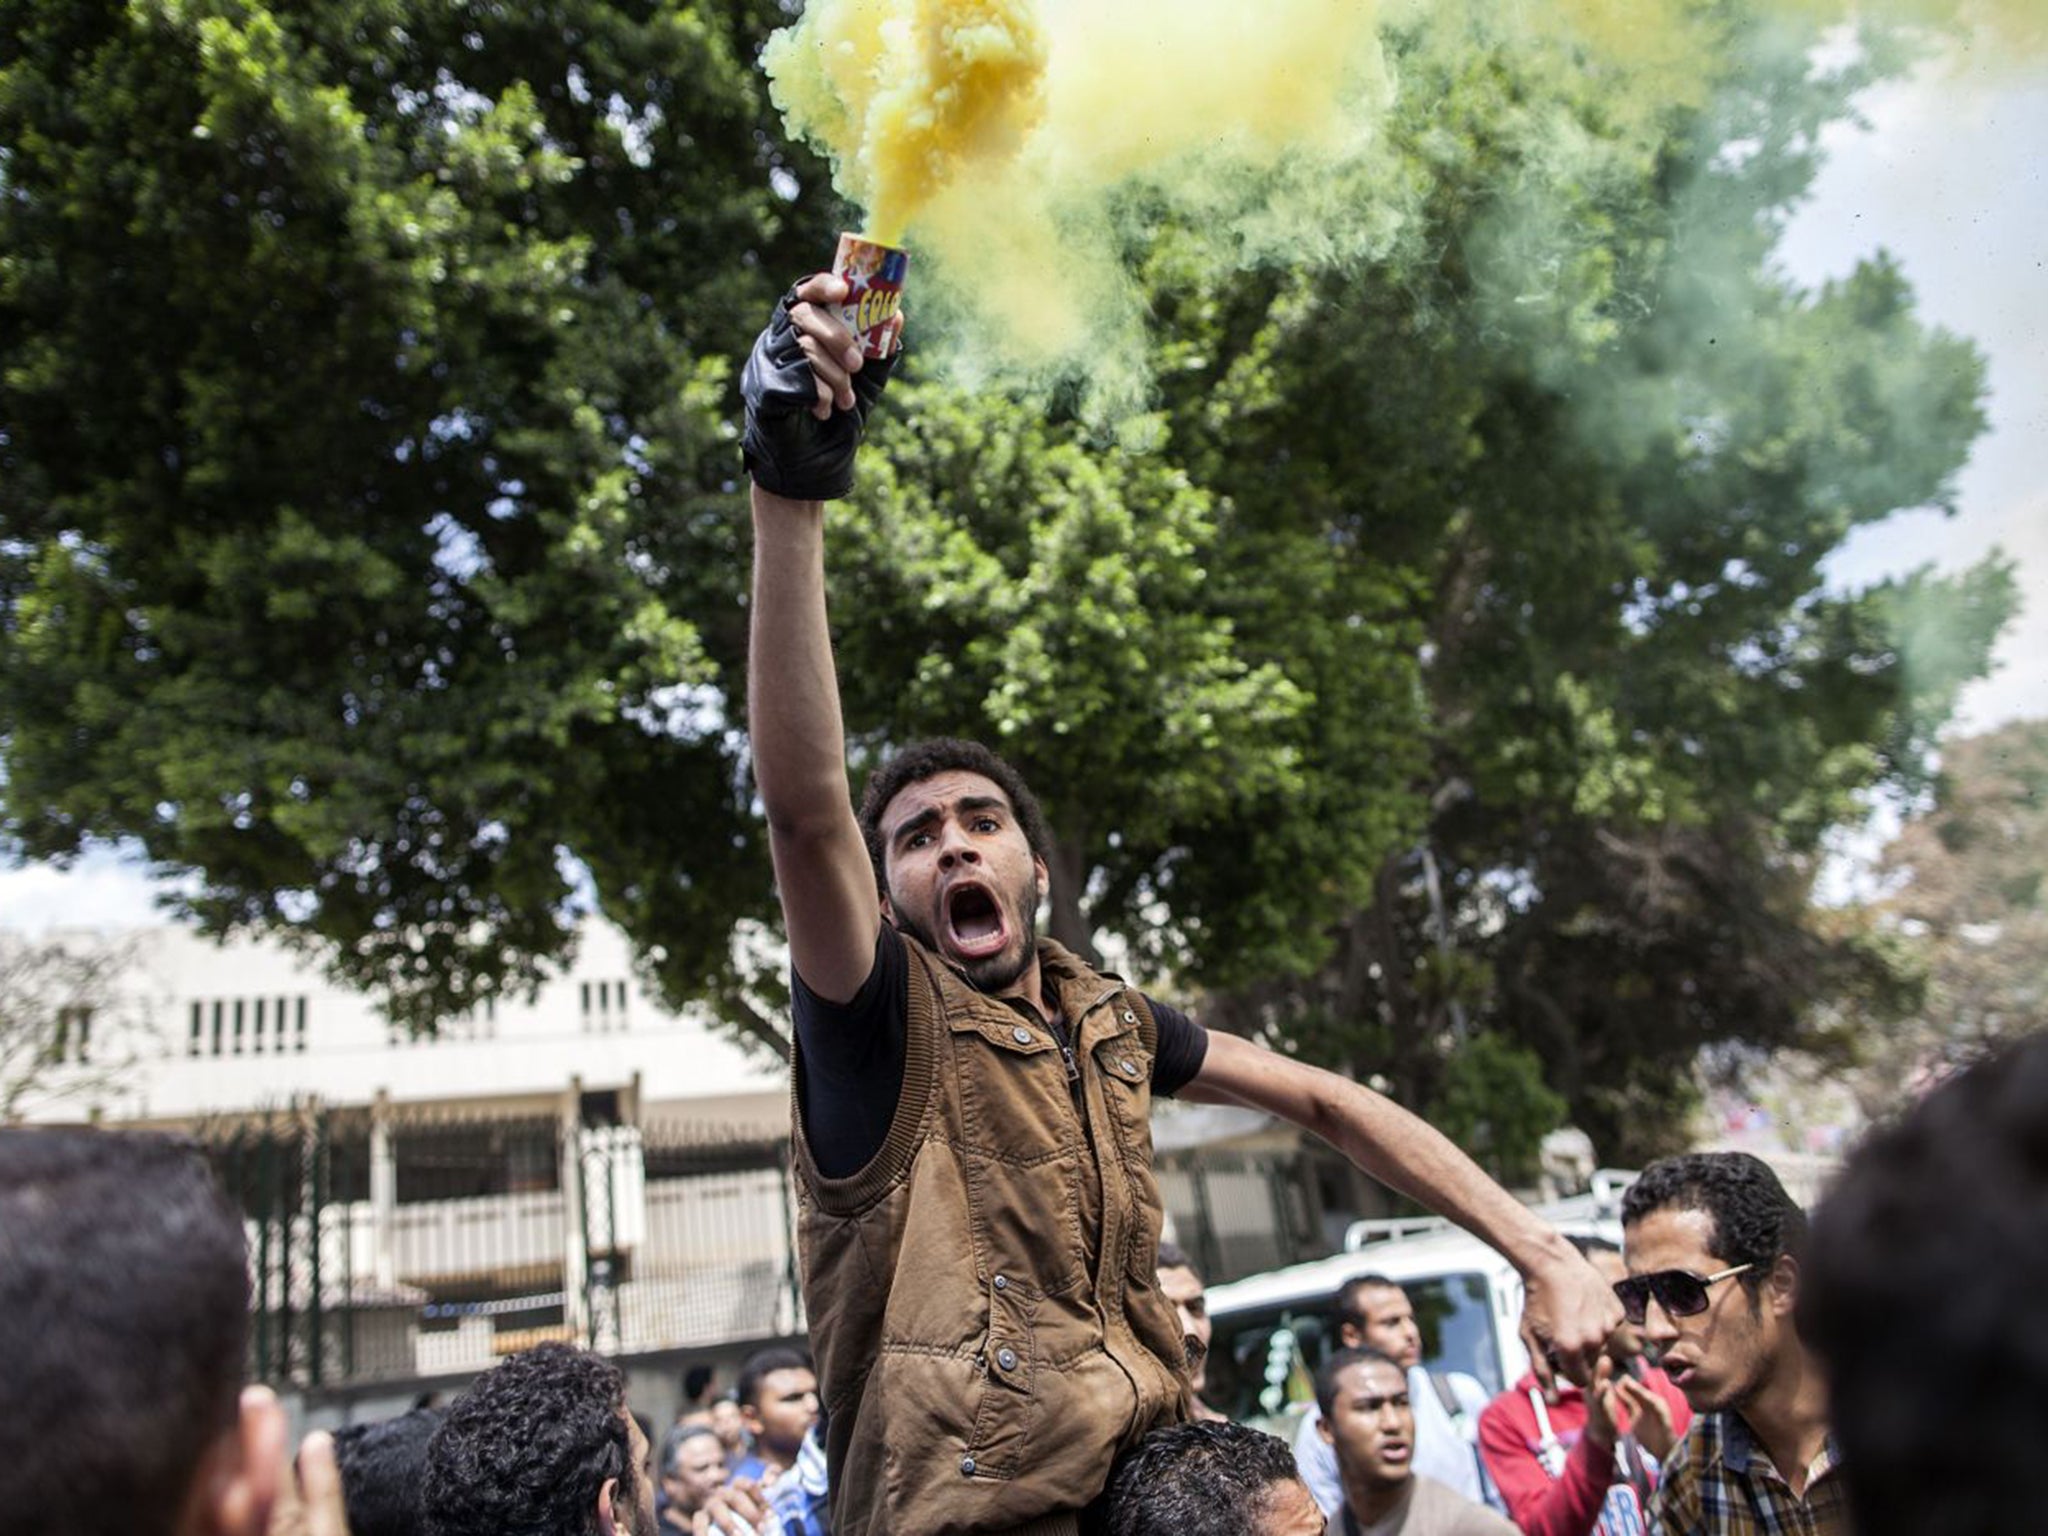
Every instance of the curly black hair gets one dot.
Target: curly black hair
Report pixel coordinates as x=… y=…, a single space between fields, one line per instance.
x=946 y=754
x=1754 y=1219
x=1201 y=1479
x=526 y=1450
x=381 y=1465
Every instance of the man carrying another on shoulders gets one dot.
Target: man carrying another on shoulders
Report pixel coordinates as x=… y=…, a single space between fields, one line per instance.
x=973 y=1142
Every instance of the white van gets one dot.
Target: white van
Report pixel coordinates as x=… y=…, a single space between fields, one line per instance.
x=1273 y=1330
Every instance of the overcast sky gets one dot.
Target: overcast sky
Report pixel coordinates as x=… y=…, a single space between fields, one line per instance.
x=1952 y=177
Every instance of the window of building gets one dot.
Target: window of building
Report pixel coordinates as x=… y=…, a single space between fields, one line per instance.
x=604 y=1006
x=246 y=1026
x=71 y=1035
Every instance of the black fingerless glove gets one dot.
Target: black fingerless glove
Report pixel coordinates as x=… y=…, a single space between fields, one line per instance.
x=788 y=450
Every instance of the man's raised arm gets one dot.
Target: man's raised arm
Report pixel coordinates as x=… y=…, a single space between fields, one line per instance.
x=1568 y=1310
x=807 y=396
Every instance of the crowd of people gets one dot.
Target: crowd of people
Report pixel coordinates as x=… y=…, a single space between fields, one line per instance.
x=1879 y=1369
x=1000 y=1343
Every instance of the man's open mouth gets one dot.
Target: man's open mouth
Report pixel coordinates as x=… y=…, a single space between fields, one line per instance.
x=974 y=923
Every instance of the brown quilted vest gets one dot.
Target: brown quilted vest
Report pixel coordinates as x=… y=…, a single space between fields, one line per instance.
x=983 y=1303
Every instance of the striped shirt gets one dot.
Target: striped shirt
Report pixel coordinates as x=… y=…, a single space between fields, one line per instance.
x=1719 y=1482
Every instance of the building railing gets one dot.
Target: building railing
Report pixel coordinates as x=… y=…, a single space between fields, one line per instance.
x=402 y=1243
x=406 y=1244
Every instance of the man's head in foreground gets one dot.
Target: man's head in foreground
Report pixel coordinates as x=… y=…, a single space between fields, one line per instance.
x=692 y=1464
x=1373 y=1312
x=1712 y=1245
x=542 y=1445
x=1367 y=1418
x=1926 y=1295
x=1212 y=1478
x=960 y=850
x=778 y=1397
x=1181 y=1283
x=124 y=1320
x=382 y=1466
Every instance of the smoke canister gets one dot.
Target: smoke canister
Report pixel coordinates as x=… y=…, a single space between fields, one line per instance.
x=874 y=275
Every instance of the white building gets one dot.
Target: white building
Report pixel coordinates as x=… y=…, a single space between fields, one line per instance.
x=586 y=1165
x=226 y=1029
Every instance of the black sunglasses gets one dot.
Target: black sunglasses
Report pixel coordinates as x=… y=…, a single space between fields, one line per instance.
x=1680 y=1292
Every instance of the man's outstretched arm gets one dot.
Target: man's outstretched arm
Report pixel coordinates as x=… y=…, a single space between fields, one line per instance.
x=1569 y=1311
x=800 y=388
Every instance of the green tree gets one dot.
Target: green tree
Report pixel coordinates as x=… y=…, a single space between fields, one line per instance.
x=366 y=530
x=1530 y=513
x=1452 y=665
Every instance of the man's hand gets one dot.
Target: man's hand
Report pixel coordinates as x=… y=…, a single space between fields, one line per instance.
x=1568 y=1312
x=808 y=391
x=1650 y=1417
x=311 y=1503
x=740 y=1508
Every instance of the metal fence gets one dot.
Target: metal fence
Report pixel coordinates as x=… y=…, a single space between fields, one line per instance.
x=395 y=1244
x=391 y=1245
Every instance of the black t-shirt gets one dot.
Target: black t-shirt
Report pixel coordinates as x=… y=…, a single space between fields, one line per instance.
x=850 y=1058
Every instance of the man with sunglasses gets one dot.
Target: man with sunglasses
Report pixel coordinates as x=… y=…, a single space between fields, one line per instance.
x=1712 y=1244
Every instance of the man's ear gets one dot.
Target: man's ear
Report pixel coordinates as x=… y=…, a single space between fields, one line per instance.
x=607 y=1505
x=1042 y=875
x=1781 y=1288
x=1350 y=1335
x=241 y=1472
x=1323 y=1429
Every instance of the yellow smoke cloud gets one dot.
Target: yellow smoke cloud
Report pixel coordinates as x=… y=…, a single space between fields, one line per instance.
x=1002 y=139
x=1019 y=146
x=909 y=94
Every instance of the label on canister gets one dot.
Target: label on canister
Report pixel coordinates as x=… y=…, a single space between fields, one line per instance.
x=874 y=273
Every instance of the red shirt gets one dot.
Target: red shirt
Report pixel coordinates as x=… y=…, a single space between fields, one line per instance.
x=1510 y=1443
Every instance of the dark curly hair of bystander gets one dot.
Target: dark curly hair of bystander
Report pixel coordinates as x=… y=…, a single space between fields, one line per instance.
x=528 y=1448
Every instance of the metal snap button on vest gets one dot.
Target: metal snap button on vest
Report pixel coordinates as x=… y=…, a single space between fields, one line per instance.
x=1002 y=1282
x=1007 y=1359
x=1021 y=1035
x=967 y=1466
x=1130 y=1017
x=1128 y=1067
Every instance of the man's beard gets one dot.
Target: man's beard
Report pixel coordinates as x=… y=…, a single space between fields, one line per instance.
x=991 y=973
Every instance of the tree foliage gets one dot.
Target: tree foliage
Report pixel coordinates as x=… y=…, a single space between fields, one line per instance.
x=1969 y=893
x=366 y=474
x=1530 y=513
x=371 y=543
x=69 y=1035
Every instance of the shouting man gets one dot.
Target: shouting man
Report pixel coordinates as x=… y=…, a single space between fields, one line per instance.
x=980 y=1218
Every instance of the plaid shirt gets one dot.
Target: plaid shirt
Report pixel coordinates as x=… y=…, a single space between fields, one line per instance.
x=1719 y=1482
